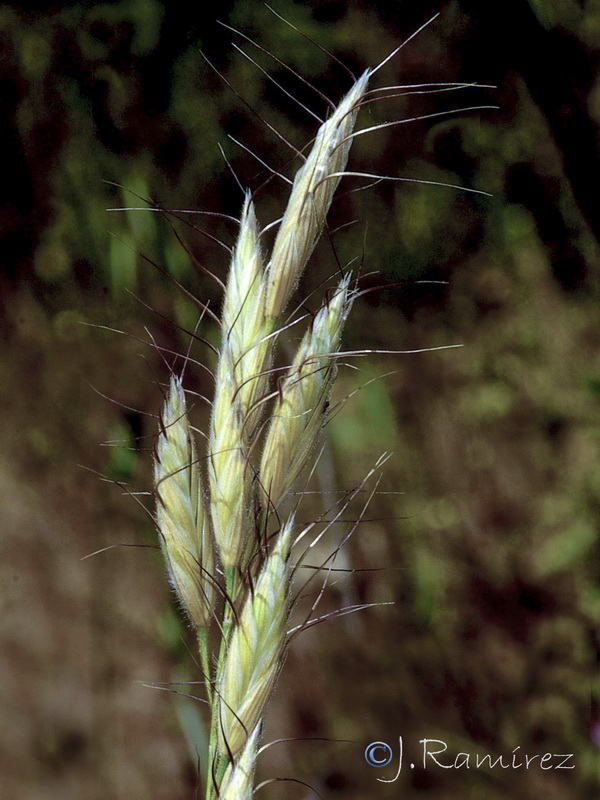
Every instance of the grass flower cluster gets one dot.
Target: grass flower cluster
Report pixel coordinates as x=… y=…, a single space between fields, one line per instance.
x=226 y=547
x=223 y=515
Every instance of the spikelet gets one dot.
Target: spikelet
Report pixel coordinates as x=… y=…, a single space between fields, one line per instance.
x=180 y=515
x=311 y=196
x=243 y=319
x=255 y=651
x=237 y=385
x=300 y=411
x=237 y=783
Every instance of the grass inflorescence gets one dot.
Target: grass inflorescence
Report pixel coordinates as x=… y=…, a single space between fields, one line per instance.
x=226 y=515
x=228 y=550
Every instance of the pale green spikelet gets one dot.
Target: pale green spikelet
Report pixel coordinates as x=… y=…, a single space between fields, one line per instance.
x=256 y=649
x=180 y=513
x=300 y=410
x=238 y=382
x=311 y=196
x=243 y=319
x=237 y=783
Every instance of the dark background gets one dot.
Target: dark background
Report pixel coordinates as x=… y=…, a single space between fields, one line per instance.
x=484 y=533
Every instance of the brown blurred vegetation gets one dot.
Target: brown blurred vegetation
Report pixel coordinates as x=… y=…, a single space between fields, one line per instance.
x=484 y=530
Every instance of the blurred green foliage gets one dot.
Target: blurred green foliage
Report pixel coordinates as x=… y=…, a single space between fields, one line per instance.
x=484 y=530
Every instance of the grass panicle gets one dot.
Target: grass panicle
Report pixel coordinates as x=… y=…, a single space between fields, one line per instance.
x=265 y=426
x=250 y=562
